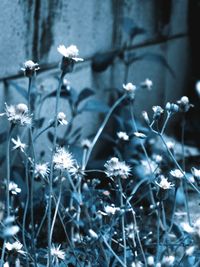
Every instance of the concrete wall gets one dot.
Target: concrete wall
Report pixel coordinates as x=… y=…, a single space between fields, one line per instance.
x=33 y=29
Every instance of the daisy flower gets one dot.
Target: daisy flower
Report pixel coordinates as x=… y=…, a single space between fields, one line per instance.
x=63 y=160
x=116 y=168
x=18 y=144
x=69 y=52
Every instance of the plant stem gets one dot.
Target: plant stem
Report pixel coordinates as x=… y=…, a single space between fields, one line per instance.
x=51 y=170
x=117 y=103
x=122 y=219
x=8 y=171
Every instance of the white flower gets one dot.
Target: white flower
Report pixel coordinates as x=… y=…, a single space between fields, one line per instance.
x=150 y=166
x=187 y=228
x=13 y=246
x=14 y=189
x=30 y=65
x=189 y=251
x=41 y=169
x=18 y=144
x=170 y=144
x=197 y=227
x=17 y=114
x=129 y=87
x=116 y=168
x=61 y=117
x=123 y=135
x=157 y=111
x=157 y=158
x=140 y=135
x=168 y=260
x=195 y=172
x=93 y=234
x=111 y=209
x=10 y=230
x=57 y=254
x=150 y=260
x=177 y=173
x=164 y=184
x=86 y=143
x=198 y=88
x=137 y=264
x=69 y=52
x=6 y=264
x=63 y=160
x=147 y=83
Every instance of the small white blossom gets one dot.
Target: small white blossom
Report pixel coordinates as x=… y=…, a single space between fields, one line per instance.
x=62 y=118
x=13 y=246
x=17 y=114
x=129 y=87
x=10 y=230
x=187 y=228
x=170 y=144
x=86 y=143
x=14 y=189
x=116 y=168
x=158 y=158
x=57 y=254
x=69 y=52
x=189 y=251
x=168 y=260
x=150 y=166
x=93 y=234
x=6 y=264
x=123 y=135
x=18 y=144
x=140 y=135
x=157 y=111
x=147 y=83
x=30 y=65
x=195 y=172
x=164 y=184
x=198 y=88
x=111 y=209
x=150 y=260
x=41 y=169
x=137 y=264
x=63 y=160
x=177 y=173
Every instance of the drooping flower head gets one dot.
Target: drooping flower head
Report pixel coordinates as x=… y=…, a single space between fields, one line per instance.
x=18 y=114
x=61 y=117
x=116 y=168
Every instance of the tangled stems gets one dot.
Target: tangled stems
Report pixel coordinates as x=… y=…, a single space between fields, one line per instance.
x=115 y=105
x=7 y=185
x=8 y=171
x=51 y=169
x=122 y=219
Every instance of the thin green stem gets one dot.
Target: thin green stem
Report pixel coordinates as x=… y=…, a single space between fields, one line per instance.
x=115 y=105
x=122 y=219
x=51 y=170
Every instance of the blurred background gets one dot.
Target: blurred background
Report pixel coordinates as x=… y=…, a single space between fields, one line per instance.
x=160 y=35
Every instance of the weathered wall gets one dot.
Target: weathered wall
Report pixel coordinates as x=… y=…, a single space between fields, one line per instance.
x=33 y=29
